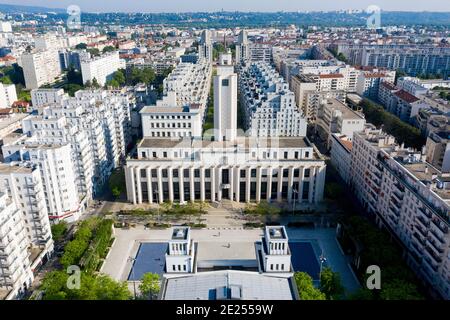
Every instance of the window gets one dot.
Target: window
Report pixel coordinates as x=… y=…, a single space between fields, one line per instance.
x=307 y=173
x=225 y=83
x=242 y=173
x=285 y=155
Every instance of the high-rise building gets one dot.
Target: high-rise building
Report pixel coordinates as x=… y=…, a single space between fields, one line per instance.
x=8 y=95
x=269 y=105
x=242 y=49
x=225 y=99
x=40 y=67
x=205 y=48
x=407 y=196
x=101 y=68
x=15 y=267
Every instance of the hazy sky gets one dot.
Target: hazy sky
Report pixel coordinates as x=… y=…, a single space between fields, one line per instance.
x=237 y=5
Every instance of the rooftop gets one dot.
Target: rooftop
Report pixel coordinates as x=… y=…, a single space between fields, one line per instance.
x=247 y=142
x=229 y=284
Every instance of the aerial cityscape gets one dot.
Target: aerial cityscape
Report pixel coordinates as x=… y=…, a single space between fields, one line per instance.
x=224 y=151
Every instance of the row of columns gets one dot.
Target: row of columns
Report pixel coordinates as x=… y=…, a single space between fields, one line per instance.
x=134 y=184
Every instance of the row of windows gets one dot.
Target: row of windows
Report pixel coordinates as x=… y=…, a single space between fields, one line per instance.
x=243 y=173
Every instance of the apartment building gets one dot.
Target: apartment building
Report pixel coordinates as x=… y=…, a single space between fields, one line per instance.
x=308 y=98
x=40 y=67
x=369 y=80
x=191 y=83
x=205 y=48
x=8 y=95
x=269 y=105
x=412 y=59
x=15 y=267
x=400 y=102
x=242 y=50
x=410 y=198
x=438 y=150
x=336 y=117
x=42 y=97
x=340 y=155
x=23 y=184
x=101 y=68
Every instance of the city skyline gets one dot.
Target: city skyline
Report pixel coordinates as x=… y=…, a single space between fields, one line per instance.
x=234 y=5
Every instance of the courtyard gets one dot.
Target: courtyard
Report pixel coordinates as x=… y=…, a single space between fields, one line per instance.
x=138 y=250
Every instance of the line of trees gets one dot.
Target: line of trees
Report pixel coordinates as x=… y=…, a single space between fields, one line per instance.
x=403 y=132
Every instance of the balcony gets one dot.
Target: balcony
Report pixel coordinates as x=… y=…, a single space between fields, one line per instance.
x=420 y=239
x=423 y=222
x=394 y=210
x=435 y=246
x=424 y=213
x=436 y=259
x=397 y=196
x=441 y=225
x=422 y=231
x=436 y=236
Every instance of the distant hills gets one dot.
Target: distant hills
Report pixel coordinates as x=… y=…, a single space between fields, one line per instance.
x=12 y=8
x=241 y=19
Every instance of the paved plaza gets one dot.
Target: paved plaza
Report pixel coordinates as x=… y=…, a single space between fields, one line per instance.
x=127 y=241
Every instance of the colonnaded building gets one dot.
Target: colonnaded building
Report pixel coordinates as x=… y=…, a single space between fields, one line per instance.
x=228 y=166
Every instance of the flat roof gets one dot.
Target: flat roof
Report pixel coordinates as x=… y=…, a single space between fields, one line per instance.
x=347 y=112
x=208 y=286
x=247 y=142
x=218 y=250
x=8 y=168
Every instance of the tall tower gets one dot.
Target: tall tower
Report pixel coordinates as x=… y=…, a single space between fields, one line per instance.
x=225 y=99
x=242 y=49
x=205 y=49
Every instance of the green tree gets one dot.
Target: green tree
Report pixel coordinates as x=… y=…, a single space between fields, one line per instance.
x=305 y=287
x=398 y=289
x=94 y=52
x=149 y=286
x=81 y=46
x=330 y=284
x=58 y=230
x=108 y=49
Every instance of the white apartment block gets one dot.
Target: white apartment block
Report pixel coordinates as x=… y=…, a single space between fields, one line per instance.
x=369 y=81
x=8 y=95
x=5 y=26
x=400 y=102
x=269 y=105
x=242 y=49
x=412 y=85
x=89 y=133
x=15 y=271
x=191 y=83
x=167 y=119
x=58 y=175
x=40 y=67
x=42 y=97
x=340 y=155
x=260 y=52
x=23 y=184
x=101 y=68
x=308 y=98
x=410 y=198
x=205 y=48
x=336 y=117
